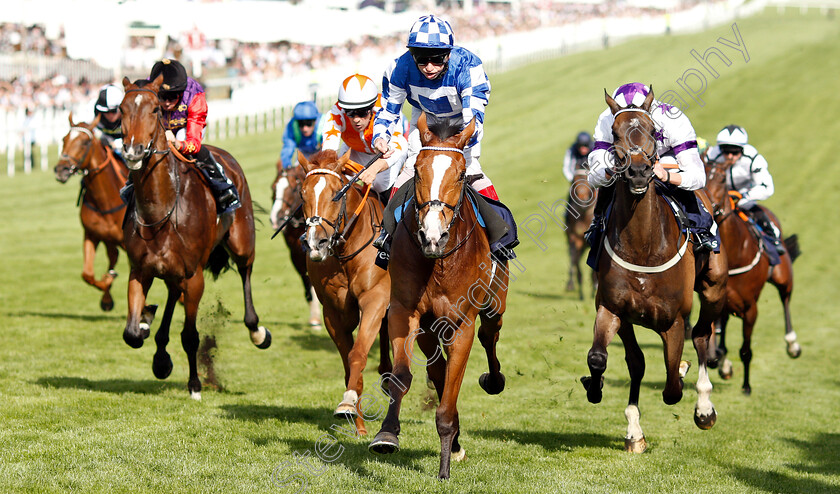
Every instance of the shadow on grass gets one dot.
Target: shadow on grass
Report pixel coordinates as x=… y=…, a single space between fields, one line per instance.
x=822 y=455
x=550 y=440
x=79 y=317
x=117 y=386
x=779 y=482
x=312 y=340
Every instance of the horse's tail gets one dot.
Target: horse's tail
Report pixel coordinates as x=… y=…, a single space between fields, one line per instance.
x=219 y=261
x=792 y=246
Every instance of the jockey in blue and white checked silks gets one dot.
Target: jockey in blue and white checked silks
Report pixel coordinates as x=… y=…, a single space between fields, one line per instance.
x=436 y=77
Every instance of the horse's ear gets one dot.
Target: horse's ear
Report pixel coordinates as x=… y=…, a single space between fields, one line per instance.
x=95 y=121
x=70 y=118
x=614 y=107
x=422 y=126
x=465 y=135
x=648 y=100
x=126 y=83
x=343 y=160
x=155 y=85
x=304 y=163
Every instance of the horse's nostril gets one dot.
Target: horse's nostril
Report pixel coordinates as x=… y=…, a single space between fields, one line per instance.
x=322 y=244
x=422 y=236
x=444 y=236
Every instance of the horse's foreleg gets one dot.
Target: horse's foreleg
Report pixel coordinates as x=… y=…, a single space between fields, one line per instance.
x=721 y=352
x=573 y=265
x=260 y=336
x=137 y=329
x=107 y=302
x=385 y=364
x=750 y=316
x=193 y=289
x=162 y=362
x=673 y=340
x=492 y=382
x=446 y=418
x=403 y=330
x=314 y=308
x=606 y=326
x=634 y=441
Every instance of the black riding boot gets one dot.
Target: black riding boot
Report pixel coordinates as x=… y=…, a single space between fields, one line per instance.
x=227 y=198
x=604 y=199
x=767 y=227
x=383 y=241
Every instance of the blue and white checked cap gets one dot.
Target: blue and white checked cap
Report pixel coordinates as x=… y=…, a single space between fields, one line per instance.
x=431 y=32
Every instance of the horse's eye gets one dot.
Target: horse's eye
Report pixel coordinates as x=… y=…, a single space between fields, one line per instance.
x=156 y=110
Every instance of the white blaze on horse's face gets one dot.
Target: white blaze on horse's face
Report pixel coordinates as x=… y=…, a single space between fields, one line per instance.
x=433 y=221
x=279 y=191
x=316 y=253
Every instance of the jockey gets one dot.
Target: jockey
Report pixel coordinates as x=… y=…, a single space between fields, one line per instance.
x=184 y=116
x=110 y=122
x=576 y=155
x=748 y=174
x=350 y=126
x=304 y=131
x=678 y=166
x=436 y=77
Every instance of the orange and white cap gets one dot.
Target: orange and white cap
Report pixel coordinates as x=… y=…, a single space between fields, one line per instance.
x=357 y=91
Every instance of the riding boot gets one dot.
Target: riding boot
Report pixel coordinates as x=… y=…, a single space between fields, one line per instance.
x=767 y=227
x=127 y=191
x=603 y=200
x=227 y=198
x=383 y=241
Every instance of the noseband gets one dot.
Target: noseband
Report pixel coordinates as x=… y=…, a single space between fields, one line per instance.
x=319 y=220
x=76 y=164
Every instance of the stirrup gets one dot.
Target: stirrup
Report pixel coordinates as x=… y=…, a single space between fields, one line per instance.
x=382 y=240
x=227 y=202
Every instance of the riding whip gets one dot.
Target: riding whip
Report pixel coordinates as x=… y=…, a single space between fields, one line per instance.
x=349 y=184
x=286 y=221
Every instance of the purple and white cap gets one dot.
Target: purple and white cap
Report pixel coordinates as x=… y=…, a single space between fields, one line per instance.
x=633 y=93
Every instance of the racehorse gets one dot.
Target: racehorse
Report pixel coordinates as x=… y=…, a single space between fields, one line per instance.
x=102 y=210
x=441 y=259
x=646 y=276
x=749 y=269
x=288 y=209
x=172 y=231
x=353 y=290
x=579 y=214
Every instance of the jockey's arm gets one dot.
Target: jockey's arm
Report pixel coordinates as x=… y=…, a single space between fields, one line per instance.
x=761 y=180
x=394 y=93
x=692 y=174
x=196 y=121
x=287 y=154
x=331 y=137
x=568 y=165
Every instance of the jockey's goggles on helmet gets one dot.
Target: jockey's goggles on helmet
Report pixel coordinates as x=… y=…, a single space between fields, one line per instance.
x=306 y=123
x=731 y=150
x=425 y=56
x=359 y=112
x=168 y=96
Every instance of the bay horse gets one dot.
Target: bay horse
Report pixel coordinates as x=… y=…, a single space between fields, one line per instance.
x=647 y=275
x=351 y=288
x=749 y=270
x=442 y=259
x=287 y=208
x=579 y=213
x=172 y=232
x=102 y=210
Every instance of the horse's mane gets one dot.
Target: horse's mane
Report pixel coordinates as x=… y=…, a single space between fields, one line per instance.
x=142 y=82
x=444 y=127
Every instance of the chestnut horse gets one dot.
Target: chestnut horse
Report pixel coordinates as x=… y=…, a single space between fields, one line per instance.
x=287 y=208
x=749 y=269
x=441 y=259
x=102 y=209
x=647 y=275
x=353 y=290
x=172 y=231
x=579 y=213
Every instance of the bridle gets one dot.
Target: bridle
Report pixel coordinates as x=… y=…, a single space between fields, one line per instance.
x=289 y=207
x=318 y=221
x=719 y=210
x=634 y=149
x=148 y=152
x=77 y=165
x=456 y=209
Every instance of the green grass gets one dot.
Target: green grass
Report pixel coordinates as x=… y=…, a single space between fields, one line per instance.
x=81 y=411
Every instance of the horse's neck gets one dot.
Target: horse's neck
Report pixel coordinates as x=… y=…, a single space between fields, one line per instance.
x=362 y=229
x=103 y=182
x=638 y=225
x=156 y=187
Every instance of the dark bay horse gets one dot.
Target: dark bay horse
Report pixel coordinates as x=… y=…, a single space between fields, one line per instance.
x=579 y=214
x=446 y=278
x=749 y=270
x=287 y=208
x=172 y=231
x=353 y=290
x=647 y=275
x=102 y=210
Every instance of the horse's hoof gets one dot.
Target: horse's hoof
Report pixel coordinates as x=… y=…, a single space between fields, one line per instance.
x=725 y=370
x=794 y=350
x=635 y=445
x=672 y=399
x=135 y=341
x=345 y=411
x=712 y=363
x=113 y=273
x=106 y=305
x=747 y=390
x=195 y=395
x=315 y=324
x=592 y=394
x=684 y=366
x=458 y=455
x=706 y=422
x=490 y=385
x=261 y=338
x=384 y=443
x=162 y=365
